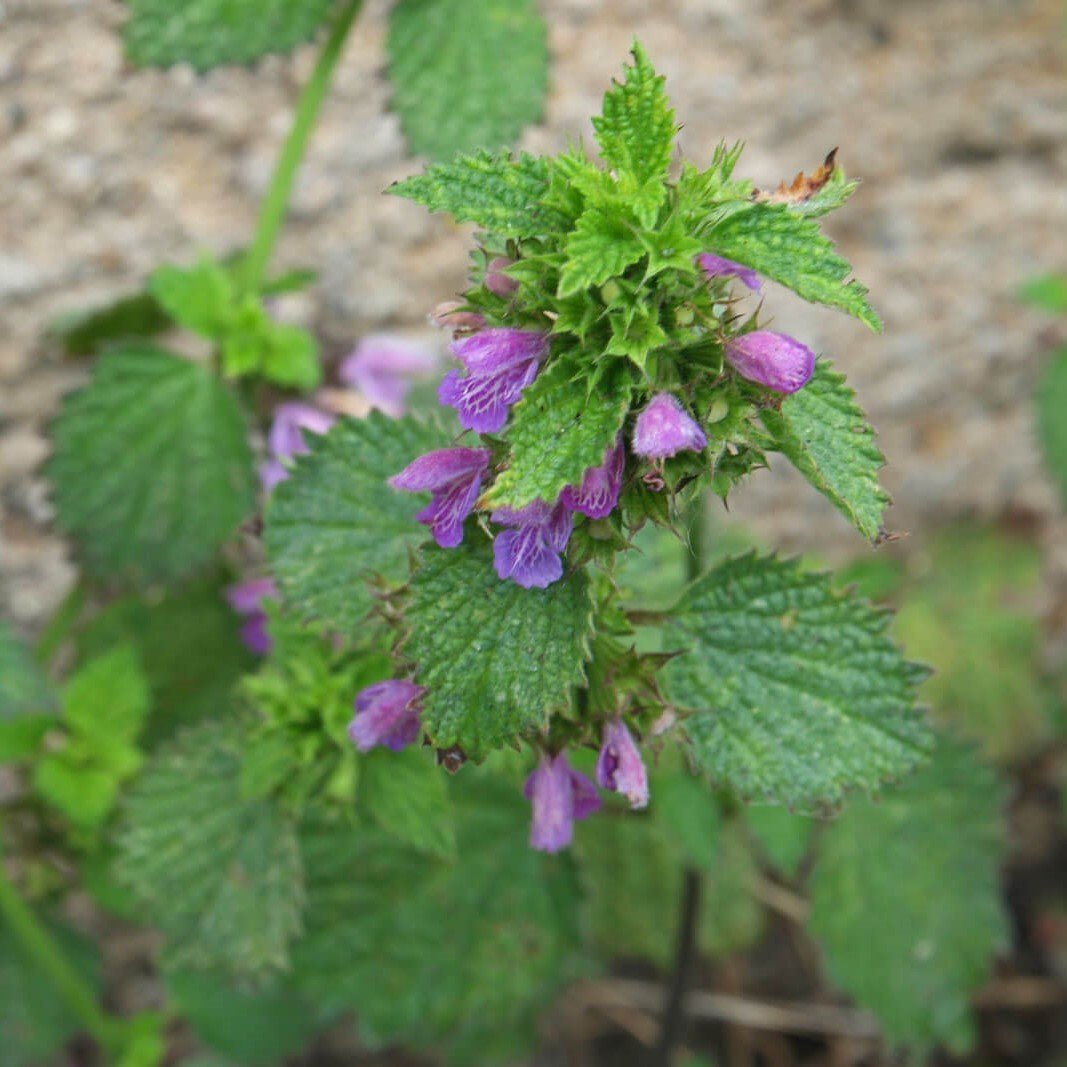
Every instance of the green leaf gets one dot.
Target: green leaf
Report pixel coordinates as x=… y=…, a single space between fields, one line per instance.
x=1048 y=292
x=834 y=194
x=405 y=794
x=1052 y=418
x=220 y=875
x=636 y=127
x=782 y=836
x=466 y=74
x=335 y=522
x=27 y=703
x=557 y=432
x=35 y=1021
x=291 y=357
x=427 y=951
x=792 y=250
x=823 y=432
x=495 y=658
x=210 y=33
x=200 y=298
x=130 y=318
x=152 y=471
x=495 y=191
x=795 y=692
x=906 y=899
x=600 y=247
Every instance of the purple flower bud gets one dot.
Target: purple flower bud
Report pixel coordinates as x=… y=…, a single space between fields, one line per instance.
x=454 y=477
x=387 y=713
x=448 y=316
x=598 y=494
x=718 y=267
x=559 y=797
x=500 y=363
x=496 y=281
x=772 y=359
x=246 y=598
x=663 y=429
x=380 y=368
x=619 y=766
x=286 y=438
x=529 y=554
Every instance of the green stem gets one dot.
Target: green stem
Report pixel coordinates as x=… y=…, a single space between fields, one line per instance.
x=273 y=208
x=695 y=560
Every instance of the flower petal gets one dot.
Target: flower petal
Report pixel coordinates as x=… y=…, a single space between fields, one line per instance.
x=663 y=429
x=775 y=360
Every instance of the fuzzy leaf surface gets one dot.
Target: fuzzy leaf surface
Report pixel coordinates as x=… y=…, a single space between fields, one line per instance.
x=335 y=522
x=824 y=433
x=796 y=693
x=466 y=74
x=495 y=658
x=151 y=468
x=906 y=899
x=600 y=247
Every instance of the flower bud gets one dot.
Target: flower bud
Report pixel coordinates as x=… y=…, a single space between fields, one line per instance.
x=772 y=359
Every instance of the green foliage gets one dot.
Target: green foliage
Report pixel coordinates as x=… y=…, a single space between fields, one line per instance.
x=784 y=838
x=1049 y=292
x=200 y=298
x=27 y=703
x=210 y=33
x=34 y=1021
x=824 y=434
x=792 y=692
x=151 y=468
x=834 y=194
x=557 y=432
x=495 y=658
x=791 y=250
x=493 y=190
x=103 y=708
x=599 y=247
x=218 y=873
x=465 y=953
x=906 y=899
x=1051 y=424
x=466 y=74
x=130 y=318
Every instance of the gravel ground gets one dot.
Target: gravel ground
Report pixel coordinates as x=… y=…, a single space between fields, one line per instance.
x=954 y=112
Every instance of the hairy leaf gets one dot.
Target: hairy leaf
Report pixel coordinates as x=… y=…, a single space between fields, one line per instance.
x=495 y=658
x=600 y=247
x=466 y=74
x=335 y=522
x=823 y=432
x=905 y=899
x=151 y=468
x=794 y=692
x=1051 y=420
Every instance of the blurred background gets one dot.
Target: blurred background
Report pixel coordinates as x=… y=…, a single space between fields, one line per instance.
x=954 y=115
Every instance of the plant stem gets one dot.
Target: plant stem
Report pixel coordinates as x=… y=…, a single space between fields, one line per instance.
x=672 y=1029
x=276 y=200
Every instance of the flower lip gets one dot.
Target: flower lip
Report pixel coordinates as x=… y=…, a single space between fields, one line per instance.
x=529 y=553
x=454 y=477
x=560 y=796
x=286 y=437
x=598 y=492
x=771 y=359
x=719 y=267
x=619 y=766
x=387 y=714
x=663 y=429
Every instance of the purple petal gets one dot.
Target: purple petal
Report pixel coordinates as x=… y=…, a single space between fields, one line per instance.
x=525 y=556
x=272 y=473
x=286 y=437
x=718 y=267
x=380 y=368
x=386 y=714
x=246 y=597
x=598 y=493
x=482 y=401
x=772 y=359
x=585 y=798
x=488 y=352
x=496 y=281
x=619 y=766
x=449 y=510
x=559 y=796
x=254 y=634
x=664 y=429
x=439 y=469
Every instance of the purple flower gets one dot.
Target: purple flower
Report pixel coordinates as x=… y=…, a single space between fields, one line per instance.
x=619 y=766
x=772 y=359
x=387 y=714
x=246 y=598
x=286 y=438
x=529 y=554
x=718 y=267
x=598 y=494
x=496 y=281
x=663 y=429
x=380 y=368
x=500 y=363
x=559 y=797
x=454 y=477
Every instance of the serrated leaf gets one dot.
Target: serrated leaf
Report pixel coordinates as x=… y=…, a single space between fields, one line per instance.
x=792 y=250
x=210 y=33
x=426 y=951
x=27 y=703
x=906 y=899
x=466 y=74
x=493 y=190
x=495 y=658
x=151 y=468
x=220 y=875
x=636 y=128
x=795 y=692
x=600 y=247
x=557 y=432
x=200 y=297
x=35 y=1021
x=335 y=522
x=824 y=433
x=1052 y=418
